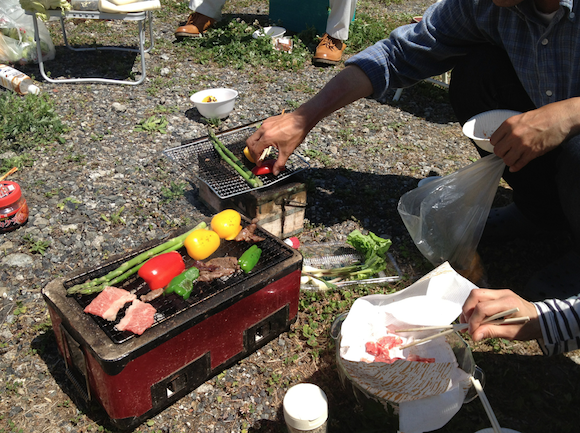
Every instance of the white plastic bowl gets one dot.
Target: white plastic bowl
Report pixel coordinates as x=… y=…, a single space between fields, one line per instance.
x=481 y=126
x=426 y=180
x=273 y=32
x=226 y=99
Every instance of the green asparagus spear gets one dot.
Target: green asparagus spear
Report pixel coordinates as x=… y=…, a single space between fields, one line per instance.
x=232 y=160
x=128 y=268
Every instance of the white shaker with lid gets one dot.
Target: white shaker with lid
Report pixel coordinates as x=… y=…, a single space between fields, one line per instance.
x=306 y=409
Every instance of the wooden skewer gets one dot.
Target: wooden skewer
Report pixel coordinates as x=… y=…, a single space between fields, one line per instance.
x=267 y=149
x=508 y=321
x=5 y=175
x=458 y=326
x=423 y=340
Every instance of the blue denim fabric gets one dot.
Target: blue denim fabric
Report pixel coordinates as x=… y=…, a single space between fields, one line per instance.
x=546 y=57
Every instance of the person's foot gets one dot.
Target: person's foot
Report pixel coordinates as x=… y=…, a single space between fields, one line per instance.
x=329 y=50
x=195 y=26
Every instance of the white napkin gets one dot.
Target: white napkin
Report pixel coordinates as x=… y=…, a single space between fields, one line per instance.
x=428 y=394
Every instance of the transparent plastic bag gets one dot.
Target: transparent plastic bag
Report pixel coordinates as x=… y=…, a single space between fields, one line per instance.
x=446 y=217
x=17 y=43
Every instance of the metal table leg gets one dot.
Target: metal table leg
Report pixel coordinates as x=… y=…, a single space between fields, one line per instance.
x=140 y=17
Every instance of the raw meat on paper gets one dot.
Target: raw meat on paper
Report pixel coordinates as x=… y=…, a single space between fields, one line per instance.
x=108 y=303
x=138 y=317
x=387 y=350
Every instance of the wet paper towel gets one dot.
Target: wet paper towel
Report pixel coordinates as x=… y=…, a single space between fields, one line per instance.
x=428 y=394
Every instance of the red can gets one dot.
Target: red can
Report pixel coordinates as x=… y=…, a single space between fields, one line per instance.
x=13 y=207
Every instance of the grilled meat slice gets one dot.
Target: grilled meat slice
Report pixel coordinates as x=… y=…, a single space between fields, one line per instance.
x=217 y=268
x=247 y=233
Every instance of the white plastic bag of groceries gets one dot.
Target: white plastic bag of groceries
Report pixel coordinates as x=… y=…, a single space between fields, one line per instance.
x=446 y=217
x=17 y=44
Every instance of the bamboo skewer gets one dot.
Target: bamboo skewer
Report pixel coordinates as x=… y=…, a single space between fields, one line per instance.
x=267 y=149
x=423 y=340
x=459 y=326
x=494 y=320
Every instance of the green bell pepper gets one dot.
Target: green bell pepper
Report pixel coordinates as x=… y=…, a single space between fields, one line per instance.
x=250 y=258
x=182 y=285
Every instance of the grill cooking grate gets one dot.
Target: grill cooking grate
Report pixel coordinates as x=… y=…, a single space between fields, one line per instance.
x=199 y=156
x=273 y=253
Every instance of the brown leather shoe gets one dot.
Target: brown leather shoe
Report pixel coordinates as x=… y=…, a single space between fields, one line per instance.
x=329 y=50
x=195 y=26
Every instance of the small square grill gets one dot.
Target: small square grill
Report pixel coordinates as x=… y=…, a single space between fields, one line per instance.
x=199 y=156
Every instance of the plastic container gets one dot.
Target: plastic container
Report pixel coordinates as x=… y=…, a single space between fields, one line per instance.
x=306 y=409
x=13 y=207
x=17 y=81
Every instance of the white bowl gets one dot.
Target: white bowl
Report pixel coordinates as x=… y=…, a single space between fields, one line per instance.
x=428 y=179
x=481 y=126
x=226 y=99
x=273 y=32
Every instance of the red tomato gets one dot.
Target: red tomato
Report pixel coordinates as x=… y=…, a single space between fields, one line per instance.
x=265 y=168
x=160 y=270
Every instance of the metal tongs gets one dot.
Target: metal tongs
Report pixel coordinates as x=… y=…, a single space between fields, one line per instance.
x=496 y=319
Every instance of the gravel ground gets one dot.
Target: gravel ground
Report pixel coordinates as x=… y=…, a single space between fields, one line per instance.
x=363 y=158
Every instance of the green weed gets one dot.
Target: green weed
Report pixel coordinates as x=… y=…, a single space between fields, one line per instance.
x=230 y=43
x=19 y=161
x=153 y=124
x=34 y=246
x=29 y=121
x=175 y=191
x=115 y=217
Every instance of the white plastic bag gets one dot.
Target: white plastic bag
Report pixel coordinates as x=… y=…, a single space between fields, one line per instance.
x=446 y=217
x=17 y=43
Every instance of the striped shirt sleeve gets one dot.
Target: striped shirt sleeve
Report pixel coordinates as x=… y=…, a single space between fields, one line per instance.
x=560 y=323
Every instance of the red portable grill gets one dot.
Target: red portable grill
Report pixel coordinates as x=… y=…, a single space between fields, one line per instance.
x=134 y=377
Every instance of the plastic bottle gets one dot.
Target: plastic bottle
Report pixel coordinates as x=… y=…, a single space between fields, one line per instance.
x=15 y=80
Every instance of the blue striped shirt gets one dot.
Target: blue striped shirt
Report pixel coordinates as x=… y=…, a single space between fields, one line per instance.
x=545 y=57
x=560 y=323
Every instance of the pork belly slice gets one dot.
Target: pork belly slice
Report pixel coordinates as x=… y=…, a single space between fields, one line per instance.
x=138 y=317
x=108 y=303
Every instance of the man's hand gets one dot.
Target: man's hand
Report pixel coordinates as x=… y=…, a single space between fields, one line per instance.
x=529 y=135
x=483 y=303
x=285 y=132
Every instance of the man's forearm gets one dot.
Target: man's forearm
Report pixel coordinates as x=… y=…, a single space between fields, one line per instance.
x=348 y=86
